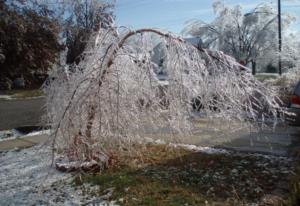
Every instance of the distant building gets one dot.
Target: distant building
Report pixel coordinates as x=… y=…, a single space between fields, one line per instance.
x=159 y=56
x=196 y=41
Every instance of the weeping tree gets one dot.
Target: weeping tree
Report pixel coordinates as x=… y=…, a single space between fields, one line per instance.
x=113 y=97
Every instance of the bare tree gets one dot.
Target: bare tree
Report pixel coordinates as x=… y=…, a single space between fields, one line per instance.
x=246 y=37
x=85 y=17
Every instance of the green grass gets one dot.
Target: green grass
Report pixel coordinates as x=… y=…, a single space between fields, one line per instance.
x=164 y=176
x=263 y=77
x=137 y=189
x=21 y=94
x=294 y=196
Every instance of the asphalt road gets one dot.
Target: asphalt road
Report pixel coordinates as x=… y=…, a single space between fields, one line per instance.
x=19 y=113
x=278 y=141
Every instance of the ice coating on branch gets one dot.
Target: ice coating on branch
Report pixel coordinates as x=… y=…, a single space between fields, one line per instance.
x=114 y=97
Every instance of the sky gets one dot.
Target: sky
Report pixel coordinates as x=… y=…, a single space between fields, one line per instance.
x=171 y=15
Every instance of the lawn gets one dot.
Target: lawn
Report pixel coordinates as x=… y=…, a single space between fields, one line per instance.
x=266 y=76
x=161 y=175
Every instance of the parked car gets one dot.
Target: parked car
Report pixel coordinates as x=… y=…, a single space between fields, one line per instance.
x=294 y=107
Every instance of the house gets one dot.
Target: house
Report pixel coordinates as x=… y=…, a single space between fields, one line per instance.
x=159 y=56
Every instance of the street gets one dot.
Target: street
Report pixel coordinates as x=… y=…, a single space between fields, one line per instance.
x=212 y=133
x=21 y=112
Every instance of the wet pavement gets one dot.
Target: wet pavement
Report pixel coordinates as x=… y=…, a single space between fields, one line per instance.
x=213 y=133
x=21 y=112
x=278 y=141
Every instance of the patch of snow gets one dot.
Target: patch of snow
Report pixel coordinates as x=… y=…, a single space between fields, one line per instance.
x=159 y=141
x=6 y=134
x=48 y=132
x=27 y=178
x=5 y=97
x=207 y=150
x=14 y=134
x=10 y=97
x=9 y=134
x=225 y=151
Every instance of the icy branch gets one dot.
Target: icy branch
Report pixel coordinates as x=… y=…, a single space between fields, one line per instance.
x=114 y=97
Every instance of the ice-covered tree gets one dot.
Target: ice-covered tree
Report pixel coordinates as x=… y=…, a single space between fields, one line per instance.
x=291 y=50
x=113 y=97
x=245 y=36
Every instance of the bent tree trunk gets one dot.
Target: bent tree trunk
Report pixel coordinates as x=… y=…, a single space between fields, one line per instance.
x=101 y=108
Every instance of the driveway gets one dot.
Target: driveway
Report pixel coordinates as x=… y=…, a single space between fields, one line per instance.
x=240 y=137
x=208 y=133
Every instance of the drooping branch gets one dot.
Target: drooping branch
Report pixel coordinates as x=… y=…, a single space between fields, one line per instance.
x=114 y=100
x=159 y=33
x=121 y=43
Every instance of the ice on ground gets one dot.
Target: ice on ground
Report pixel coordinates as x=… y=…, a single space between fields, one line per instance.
x=224 y=151
x=6 y=134
x=207 y=150
x=5 y=97
x=27 y=178
x=48 y=132
x=13 y=134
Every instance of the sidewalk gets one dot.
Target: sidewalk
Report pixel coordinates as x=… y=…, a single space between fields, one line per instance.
x=23 y=142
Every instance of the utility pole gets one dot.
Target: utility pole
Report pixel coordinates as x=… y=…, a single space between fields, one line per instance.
x=86 y=15
x=279 y=38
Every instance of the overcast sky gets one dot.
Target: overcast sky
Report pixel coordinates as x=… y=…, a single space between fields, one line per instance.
x=172 y=14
